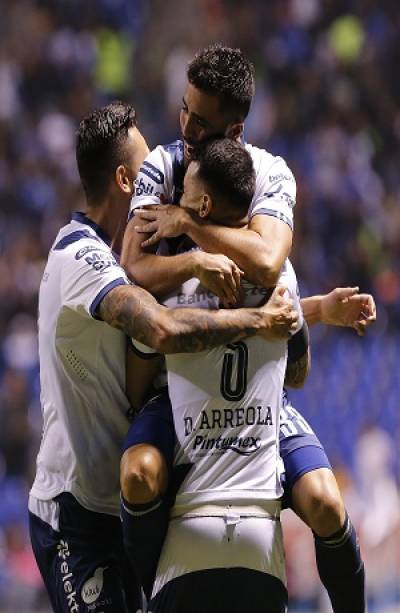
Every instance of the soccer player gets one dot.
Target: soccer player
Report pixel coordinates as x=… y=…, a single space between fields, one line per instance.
x=224 y=551
x=216 y=102
x=87 y=306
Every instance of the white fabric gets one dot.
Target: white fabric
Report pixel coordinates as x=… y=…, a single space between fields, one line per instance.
x=275 y=192
x=232 y=443
x=82 y=373
x=228 y=541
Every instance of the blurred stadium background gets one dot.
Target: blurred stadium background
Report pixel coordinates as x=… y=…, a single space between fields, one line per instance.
x=328 y=100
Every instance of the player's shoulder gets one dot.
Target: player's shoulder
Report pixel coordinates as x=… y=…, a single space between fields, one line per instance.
x=273 y=167
x=162 y=157
x=77 y=241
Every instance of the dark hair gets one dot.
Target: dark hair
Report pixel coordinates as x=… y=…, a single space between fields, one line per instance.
x=227 y=169
x=100 y=145
x=226 y=72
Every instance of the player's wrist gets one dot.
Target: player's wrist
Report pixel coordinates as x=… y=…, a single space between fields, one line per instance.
x=313 y=309
x=195 y=263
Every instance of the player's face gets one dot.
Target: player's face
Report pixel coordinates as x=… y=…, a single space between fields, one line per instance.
x=202 y=118
x=193 y=189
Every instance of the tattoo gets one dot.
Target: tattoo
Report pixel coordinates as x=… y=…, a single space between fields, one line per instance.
x=297 y=371
x=137 y=313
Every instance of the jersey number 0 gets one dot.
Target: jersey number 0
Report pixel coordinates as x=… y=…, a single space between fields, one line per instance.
x=234 y=387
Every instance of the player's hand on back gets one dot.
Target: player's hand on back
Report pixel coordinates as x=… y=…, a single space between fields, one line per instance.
x=162 y=221
x=344 y=306
x=281 y=317
x=220 y=275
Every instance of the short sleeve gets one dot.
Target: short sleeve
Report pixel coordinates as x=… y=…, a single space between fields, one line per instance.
x=154 y=181
x=275 y=192
x=143 y=351
x=89 y=273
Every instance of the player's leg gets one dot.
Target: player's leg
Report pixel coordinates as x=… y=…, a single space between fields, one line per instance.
x=145 y=467
x=313 y=493
x=221 y=564
x=82 y=560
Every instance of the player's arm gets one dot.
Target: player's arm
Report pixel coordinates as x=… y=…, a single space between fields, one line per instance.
x=161 y=275
x=299 y=358
x=343 y=306
x=138 y=314
x=140 y=374
x=259 y=250
x=156 y=273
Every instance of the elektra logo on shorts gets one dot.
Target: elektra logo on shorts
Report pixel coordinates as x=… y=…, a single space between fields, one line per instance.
x=67 y=577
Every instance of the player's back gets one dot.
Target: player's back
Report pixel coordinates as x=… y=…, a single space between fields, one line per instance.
x=226 y=404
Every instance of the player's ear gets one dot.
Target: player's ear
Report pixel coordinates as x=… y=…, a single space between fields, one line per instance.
x=123 y=180
x=206 y=206
x=235 y=131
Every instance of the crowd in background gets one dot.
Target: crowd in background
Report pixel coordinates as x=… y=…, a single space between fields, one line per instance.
x=328 y=101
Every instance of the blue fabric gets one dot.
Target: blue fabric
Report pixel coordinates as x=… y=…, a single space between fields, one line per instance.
x=221 y=590
x=303 y=460
x=154 y=425
x=84 y=565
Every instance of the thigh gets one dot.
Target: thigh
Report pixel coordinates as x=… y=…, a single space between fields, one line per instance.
x=196 y=544
x=83 y=563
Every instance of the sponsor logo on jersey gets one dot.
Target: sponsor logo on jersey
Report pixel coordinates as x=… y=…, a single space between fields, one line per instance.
x=152 y=172
x=91 y=589
x=145 y=189
x=243 y=445
x=79 y=254
x=281 y=177
x=101 y=261
x=67 y=577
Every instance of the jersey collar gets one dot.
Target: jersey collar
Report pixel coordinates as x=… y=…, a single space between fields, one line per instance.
x=82 y=218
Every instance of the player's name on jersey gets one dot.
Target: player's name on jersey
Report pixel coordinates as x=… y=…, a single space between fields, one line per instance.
x=229 y=418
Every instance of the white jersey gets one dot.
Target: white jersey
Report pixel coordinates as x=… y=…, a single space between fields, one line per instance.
x=226 y=403
x=160 y=180
x=82 y=373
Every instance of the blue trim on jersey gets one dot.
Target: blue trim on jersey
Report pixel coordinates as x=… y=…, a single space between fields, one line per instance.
x=73 y=238
x=175 y=150
x=152 y=172
x=83 y=218
x=273 y=213
x=104 y=292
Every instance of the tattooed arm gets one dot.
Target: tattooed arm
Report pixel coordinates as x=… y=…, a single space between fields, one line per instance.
x=297 y=371
x=299 y=358
x=138 y=314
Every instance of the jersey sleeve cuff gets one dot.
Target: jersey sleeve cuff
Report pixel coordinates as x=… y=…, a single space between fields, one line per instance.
x=104 y=292
x=273 y=213
x=143 y=351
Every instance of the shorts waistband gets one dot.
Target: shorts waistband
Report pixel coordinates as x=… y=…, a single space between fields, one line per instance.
x=269 y=509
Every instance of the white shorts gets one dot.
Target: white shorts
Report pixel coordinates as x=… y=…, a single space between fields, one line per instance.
x=228 y=537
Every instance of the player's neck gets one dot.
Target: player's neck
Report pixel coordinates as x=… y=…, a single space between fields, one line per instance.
x=106 y=216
